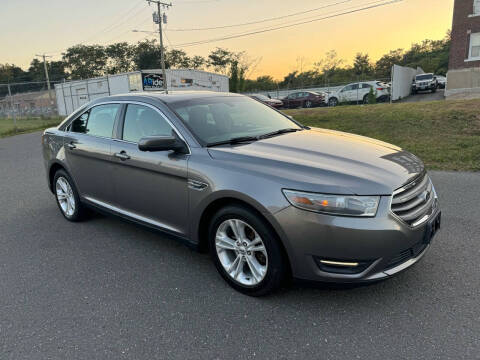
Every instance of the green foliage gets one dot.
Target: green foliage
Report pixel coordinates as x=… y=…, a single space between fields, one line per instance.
x=372 y=96
x=85 y=61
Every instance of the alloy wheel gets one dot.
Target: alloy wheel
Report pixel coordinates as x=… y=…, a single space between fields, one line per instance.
x=241 y=252
x=65 y=196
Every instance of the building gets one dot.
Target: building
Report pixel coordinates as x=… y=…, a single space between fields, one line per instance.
x=463 y=78
x=73 y=94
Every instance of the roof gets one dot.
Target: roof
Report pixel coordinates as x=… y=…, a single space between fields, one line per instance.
x=171 y=97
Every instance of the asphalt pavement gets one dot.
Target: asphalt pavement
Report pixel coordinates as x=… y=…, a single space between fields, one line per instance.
x=426 y=96
x=108 y=289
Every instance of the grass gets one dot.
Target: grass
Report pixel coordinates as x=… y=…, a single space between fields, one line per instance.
x=445 y=134
x=26 y=125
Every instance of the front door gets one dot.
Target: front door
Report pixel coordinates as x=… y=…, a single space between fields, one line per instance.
x=88 y=151
x=150 y=186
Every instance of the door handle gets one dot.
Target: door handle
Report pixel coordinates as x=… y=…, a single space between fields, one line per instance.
x=71 y=146
x=122 y=155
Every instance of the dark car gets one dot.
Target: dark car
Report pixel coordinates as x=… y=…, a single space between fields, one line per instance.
x=275 y=103
x=269 y=197
x=305 y=99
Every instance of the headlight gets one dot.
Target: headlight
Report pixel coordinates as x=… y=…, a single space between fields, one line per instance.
x=347 y=205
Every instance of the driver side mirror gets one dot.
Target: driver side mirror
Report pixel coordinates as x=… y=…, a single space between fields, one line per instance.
x=162 y=143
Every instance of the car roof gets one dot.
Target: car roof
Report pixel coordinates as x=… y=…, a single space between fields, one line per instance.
x=171 y=97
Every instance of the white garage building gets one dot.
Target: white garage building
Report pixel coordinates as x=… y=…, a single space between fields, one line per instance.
x=73 y=94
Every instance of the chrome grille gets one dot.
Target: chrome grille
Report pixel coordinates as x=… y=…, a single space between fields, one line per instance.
x=415 y=202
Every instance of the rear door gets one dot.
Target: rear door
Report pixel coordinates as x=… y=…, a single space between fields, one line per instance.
x=149 y=186
x=88 y=151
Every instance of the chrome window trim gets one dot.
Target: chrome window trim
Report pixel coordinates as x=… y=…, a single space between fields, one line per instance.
x=133 y=103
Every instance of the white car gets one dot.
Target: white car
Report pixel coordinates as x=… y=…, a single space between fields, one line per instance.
x=358 y=93
x=442 y=81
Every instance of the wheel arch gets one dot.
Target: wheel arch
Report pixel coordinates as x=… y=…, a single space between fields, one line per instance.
x=217 y=204
x=54 y=167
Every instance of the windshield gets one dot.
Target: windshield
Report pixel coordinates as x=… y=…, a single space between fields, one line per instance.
x=425 y=77
x=223 y=118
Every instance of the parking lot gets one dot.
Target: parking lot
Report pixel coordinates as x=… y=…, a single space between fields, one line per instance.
x=110 y=289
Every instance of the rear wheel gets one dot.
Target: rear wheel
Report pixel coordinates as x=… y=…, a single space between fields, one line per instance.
x=365 y=99
x=308 y=104
x=67 y=197
x=245 y=251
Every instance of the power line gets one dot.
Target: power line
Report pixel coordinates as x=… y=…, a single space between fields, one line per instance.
x=234 y=36
x=264 y=20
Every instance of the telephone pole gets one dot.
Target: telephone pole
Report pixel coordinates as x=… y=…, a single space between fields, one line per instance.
x=46 y=76
x=158 y=19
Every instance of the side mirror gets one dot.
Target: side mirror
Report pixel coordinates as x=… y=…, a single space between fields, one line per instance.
x=162 y=143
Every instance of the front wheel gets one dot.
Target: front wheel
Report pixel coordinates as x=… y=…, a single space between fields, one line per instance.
x=308 y=104
x=245 y=251
x=332 y=102
x=365 y=99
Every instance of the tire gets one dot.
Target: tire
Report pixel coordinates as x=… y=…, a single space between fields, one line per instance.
x=365 y=99
x=70 y=206
x=308 y=104
x=332 y=101
x=434 y=90
x=269 y=265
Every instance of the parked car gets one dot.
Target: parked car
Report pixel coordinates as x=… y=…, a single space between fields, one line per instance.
x=277 y=104
x=424 y=82
x=266 y=195
x=358 y=93
x=442 y=81
x=305 y=99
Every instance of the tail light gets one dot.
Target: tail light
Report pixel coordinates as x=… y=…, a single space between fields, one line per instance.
x=380 y=89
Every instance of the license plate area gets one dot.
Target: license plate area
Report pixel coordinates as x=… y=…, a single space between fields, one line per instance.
x=432 y=228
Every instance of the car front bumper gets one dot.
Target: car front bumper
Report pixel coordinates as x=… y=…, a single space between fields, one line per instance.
x=381 y=246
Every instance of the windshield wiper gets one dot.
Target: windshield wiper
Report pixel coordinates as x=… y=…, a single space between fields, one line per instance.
x=235 y=140
x=278 y=132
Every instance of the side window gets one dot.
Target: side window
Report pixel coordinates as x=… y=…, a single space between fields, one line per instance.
x=101 y=120
x=366 y=86
x=354 y=87
x=347 y=88
x=79 y=125
x=292 y=96
x=142 y=121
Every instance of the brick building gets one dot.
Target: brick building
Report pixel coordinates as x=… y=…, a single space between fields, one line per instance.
x=464 y=67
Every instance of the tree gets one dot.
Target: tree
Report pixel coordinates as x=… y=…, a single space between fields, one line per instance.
x=178 y=59
x=383 y=66
x=221 y=59
x=362 y=65
x=147 y=55
x=329 y=64
x=197 y=62
x=85 y=61
x=120 y=57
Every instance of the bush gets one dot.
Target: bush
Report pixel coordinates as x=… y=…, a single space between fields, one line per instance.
x=372 y=96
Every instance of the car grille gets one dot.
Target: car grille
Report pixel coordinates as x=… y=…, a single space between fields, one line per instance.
x=415 y=202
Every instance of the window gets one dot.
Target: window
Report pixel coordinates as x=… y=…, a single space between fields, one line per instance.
x=101 y=120
x=142 y=121
x=474 y=52
x=79 y=125
x=476 y=7
x=366 y=86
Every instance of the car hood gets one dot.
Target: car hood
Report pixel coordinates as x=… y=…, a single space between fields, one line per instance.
x=324 y=161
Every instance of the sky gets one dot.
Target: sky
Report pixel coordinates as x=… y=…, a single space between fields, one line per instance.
x=31 y=27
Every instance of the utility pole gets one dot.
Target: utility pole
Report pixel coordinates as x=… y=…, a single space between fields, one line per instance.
x=158 y=19
x=46 y=76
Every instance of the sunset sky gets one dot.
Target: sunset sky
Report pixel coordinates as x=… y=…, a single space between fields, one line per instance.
x=30 y=27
